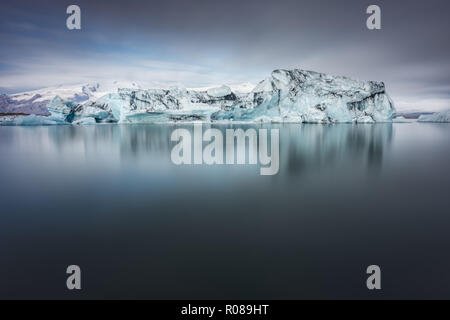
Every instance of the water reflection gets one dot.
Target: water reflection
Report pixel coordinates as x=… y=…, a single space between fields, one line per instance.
x=312 y=146
x=110 y=195
x=303 y=148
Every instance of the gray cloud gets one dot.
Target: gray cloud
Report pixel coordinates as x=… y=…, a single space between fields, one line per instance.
x=201 y=42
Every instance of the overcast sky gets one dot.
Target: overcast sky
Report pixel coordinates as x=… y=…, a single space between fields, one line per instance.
x=207 y=42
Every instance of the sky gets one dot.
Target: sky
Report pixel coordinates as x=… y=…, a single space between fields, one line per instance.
x=195 y=43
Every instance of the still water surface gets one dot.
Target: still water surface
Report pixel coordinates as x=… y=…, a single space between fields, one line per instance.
x=109 y=199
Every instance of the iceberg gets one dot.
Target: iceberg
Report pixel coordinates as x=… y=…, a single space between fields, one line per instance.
x=27 y=104
x=285 y=96
x=84 y=121
x=402 y=119
x=443 y=116
x=28 y=120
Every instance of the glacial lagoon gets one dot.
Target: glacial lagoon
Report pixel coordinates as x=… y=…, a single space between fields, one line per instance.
x=109 y=199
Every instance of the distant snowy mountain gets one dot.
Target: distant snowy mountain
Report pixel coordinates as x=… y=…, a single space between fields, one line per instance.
x=36 y=101
x=240 y=88
x=285 y=96
x=26 y=104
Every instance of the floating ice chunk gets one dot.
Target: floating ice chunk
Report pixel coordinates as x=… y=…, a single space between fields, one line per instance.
x=443 y=116
x=60 y=110
x=84 y=121
x=115 y=103
x=92 y=112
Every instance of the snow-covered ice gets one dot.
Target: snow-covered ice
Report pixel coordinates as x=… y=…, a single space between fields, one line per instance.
x=285 y=96
x=84 y=121
x=443 y=116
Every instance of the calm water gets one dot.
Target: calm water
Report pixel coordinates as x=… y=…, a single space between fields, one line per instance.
x=109 y=199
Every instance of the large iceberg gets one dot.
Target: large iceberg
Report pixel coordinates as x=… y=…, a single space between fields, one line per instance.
x=306 y=96
x=36 y=102
x=443 y=116
x=285 y=96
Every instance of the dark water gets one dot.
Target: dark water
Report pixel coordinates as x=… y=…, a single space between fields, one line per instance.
x=109 y=199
